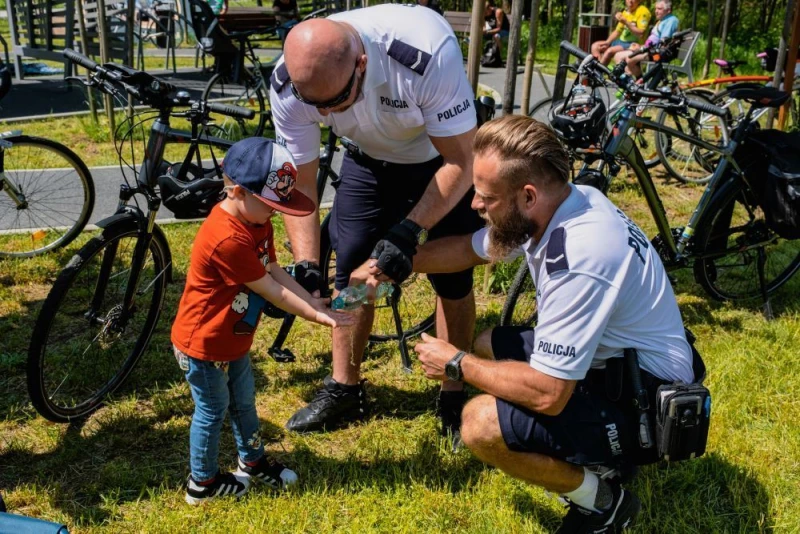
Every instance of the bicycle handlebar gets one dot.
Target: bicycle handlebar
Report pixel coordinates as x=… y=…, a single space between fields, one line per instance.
x=146 y=88
x=81 y=60
x=231 y=111
x=629 y=86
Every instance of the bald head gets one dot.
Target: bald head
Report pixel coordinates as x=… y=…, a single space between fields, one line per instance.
x=320 y=55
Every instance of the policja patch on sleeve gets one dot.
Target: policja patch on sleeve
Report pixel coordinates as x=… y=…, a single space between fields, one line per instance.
x=555 y=258
x=413 y=58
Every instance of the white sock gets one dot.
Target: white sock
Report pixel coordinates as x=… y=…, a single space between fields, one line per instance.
x=586 y=493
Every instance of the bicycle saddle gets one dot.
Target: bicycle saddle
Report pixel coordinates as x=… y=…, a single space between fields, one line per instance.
x=760 y=97
x=728 y=64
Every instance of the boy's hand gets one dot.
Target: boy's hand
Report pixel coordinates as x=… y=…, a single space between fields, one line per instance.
x=334 y=319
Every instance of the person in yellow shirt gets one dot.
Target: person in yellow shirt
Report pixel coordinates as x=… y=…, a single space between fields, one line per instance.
x=631 y=27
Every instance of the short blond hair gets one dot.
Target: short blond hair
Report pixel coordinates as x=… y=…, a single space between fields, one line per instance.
x=531 y=151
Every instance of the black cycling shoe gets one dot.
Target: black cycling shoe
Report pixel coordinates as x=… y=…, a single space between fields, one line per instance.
x=334 y=405
x=449 y=406
x=623 y=509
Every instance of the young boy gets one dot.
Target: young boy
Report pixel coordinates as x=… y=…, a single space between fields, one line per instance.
x=233 y=272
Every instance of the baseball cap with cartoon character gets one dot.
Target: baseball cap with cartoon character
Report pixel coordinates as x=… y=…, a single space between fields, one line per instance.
x=267 y=169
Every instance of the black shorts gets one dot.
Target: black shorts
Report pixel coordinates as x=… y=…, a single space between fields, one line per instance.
x=372 y=197
x=591 y=430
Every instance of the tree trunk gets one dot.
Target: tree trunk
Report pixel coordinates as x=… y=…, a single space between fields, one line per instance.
x=512 y=56
x=530 y=59
x=475 y=44
x=726 y=20
x=563 y=55
x=711 y=31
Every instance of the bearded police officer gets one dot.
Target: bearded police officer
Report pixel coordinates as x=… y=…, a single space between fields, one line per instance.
x=390 y=78
x=548 y=412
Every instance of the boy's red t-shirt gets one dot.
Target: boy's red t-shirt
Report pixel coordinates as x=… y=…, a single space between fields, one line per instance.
x=218 y=314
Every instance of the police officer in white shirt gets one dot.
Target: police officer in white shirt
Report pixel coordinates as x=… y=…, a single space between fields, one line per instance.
x=390 y=78
x=549 y=412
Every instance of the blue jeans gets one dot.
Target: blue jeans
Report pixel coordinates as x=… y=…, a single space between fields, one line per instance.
x=217 y=388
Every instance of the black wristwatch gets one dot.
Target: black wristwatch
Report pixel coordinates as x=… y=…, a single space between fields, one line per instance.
x=420 y=232
x=453 y=368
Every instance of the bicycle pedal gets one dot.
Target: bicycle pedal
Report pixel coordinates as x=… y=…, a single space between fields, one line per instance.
x=281 y=355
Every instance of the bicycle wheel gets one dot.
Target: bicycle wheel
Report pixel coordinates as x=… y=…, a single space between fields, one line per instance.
x=46 y=196
x=249 y=92
x=686 y=161
x=730 y=237
x=540 y=110
x=83 y=344
x=520 y=308
x=417 y=304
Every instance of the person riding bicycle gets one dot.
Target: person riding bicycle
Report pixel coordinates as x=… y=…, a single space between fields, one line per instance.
x=232 y=275
x=390 y=78
x=665 y=28
x=631 y=26
x=547 y=415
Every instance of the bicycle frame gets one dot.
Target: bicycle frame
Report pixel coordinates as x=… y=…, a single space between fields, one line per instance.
x=622 y=145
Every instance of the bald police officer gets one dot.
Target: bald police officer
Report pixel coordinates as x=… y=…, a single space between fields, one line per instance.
x=391 y=78
x=558 y=401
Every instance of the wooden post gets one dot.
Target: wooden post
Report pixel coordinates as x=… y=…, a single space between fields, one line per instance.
x=129 y=16
x=512 y=57
x=563 y=55
x=786 y=35
x=791 y=59
x=711 y=30
x=475 y=40
x=102 y=31
x=530 y=59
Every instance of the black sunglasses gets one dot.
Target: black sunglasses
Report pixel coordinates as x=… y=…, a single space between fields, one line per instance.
x=333 y=102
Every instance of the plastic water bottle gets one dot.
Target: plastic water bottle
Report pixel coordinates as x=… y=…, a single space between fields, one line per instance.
x=354 y=297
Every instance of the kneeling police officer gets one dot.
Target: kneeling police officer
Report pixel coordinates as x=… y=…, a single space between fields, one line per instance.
x=558 y=405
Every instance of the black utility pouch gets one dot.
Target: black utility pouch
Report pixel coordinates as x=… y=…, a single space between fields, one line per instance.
x=683 y=412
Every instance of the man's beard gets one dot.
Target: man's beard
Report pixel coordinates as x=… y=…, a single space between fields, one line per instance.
x=507 y=233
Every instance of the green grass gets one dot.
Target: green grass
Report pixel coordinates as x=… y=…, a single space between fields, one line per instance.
x=123 y=468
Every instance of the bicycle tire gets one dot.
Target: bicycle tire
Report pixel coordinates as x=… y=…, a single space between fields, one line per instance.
x=733 y=216
x=59 y=220
x=80 y=280
x=683 y=160
x=520 y=307
x=250 y=92
x=540 y=110
x=419 y=325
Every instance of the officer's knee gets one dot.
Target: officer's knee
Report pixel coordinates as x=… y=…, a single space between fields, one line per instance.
x=483 y=345
x=480 y=429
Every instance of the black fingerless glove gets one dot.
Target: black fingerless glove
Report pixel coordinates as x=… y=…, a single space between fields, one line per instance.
x=309 y=275
x=394 y=253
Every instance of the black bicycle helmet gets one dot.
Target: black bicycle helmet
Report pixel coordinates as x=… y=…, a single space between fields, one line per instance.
x=579 y=119
x=192 y=198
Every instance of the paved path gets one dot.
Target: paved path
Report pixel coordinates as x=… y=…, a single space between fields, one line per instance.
x=50 y=95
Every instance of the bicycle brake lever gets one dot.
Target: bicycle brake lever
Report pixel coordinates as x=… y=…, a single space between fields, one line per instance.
x=77 y=79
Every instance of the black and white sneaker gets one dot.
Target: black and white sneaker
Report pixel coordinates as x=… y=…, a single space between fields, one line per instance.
x=269 y=471
x=624 y=508
x=223 y=485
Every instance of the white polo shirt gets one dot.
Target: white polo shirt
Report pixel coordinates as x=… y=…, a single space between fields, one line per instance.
x=415 y=86
x=601 y=288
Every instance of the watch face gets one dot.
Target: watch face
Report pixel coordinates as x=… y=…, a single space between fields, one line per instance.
x=451 y=370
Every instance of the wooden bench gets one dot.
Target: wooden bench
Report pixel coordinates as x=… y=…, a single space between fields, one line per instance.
x=461 y=23
x=41 y=29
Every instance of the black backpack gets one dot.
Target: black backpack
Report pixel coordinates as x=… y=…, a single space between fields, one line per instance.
x=491 y=55
x=771 y=162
